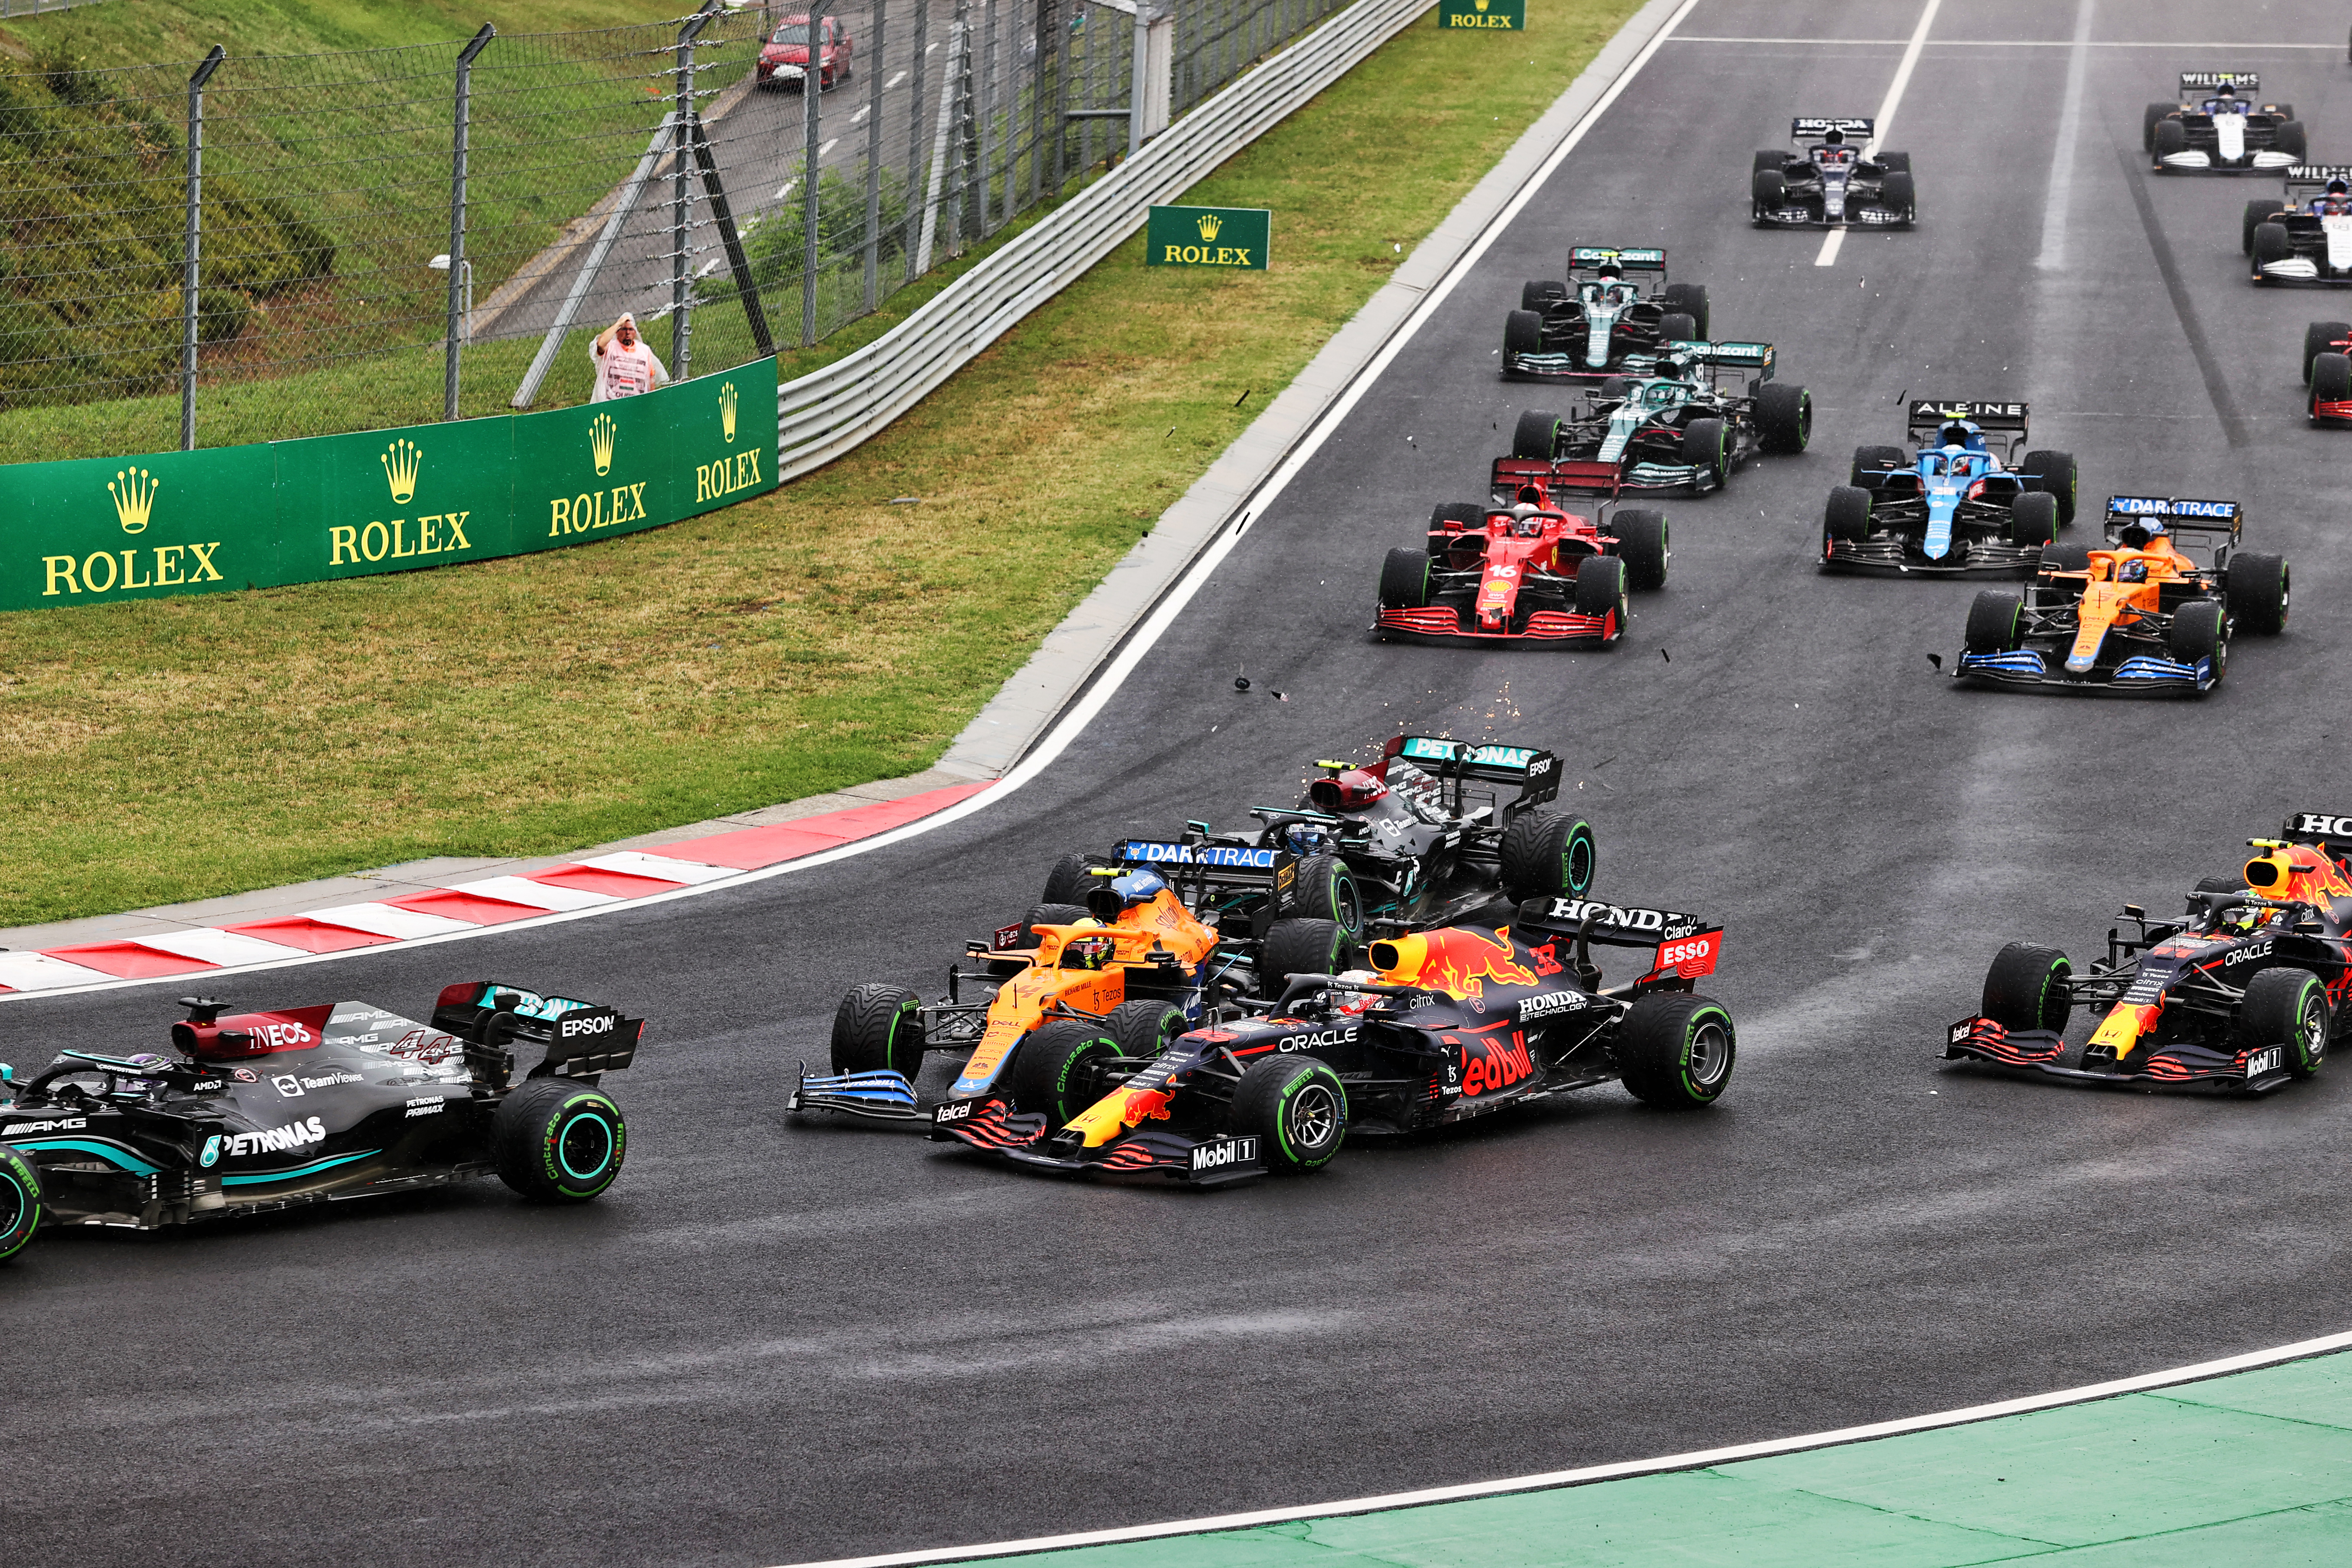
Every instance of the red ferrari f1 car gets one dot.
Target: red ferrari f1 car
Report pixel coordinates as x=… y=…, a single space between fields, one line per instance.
x=1531 y=571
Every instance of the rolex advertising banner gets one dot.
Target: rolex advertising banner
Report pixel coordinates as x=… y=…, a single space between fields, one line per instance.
x=1508 y=15
x=96 y=531
x=1208 y=236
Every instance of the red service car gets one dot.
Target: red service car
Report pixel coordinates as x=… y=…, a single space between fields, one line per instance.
x=784 y=60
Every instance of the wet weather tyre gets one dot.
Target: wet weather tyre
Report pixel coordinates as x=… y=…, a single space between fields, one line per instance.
x=1690 y=299
x=1769 y=191
x=1641 y=545
x=2055 y=473
x=1523 y=332
x=1548 y=854
x=2259 y=211
x=2170 y=137
x=1145 y=1028
x=1303 y=947
x=1993 y=620
x=1533 y=436
x=879 y=1029
x=1897 y=191
x=1601 y=591
x=2197 y=632
x=1677 y=327
x=20 y=1201
x=1046 y=915
x=1326 y=891
x=2257 y=589
x=1296 y=1108
x=2285 y=1007
x=2066 y=558
x=1784 y=416
x=1675 y=1050
x=559 y=1141
x=2235 y=883
x=1535 y=296
x=2331 y=380
x=1846 y=519
x=1053 y=1070
x=2289 y=138
x=1770 y=158
x=2153 y=116
x=1707 y=444
x=1879 y=460
x=1405 y=579
x=2029 y=986
x=1616 y=388
x=1067 y=882
x=2034 y=518
x=1468 y=514
x=1895 y=161
x=2269 y=245
x=2321 y=338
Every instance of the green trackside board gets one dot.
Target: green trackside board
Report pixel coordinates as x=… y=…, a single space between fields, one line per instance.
x=1233 y=237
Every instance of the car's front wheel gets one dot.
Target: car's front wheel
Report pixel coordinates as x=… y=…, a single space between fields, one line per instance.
x=20 y=1201
x=1296 y=1108
x=2286 y=1007
x=2029 y=986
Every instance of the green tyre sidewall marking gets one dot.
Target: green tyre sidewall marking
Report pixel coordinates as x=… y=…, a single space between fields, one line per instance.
x=2049 y=978
x=2304 y=1062
x=1699 y=1093
x=907 y=1009
x=551 y=1146
x=20 y=1201
x=1308 y=1161
x=1578 y=834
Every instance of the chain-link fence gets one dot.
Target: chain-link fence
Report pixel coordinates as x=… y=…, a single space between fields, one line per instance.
x=243 y=249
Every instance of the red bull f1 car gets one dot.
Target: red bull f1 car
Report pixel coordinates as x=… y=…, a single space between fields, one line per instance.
x=1615 y=304
x=1694 y=413
x=1827 y=182
x=2139 y=615
x=1450 y=1025
x=252 y=1112
x=2244 y=993
x=1533 y=571
x=2218 y=126
x=1958 y=504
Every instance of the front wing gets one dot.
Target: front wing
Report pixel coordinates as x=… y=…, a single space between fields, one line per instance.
x=993 y=1126
x=2142 y=674
x=2252 y=1071
x=876 y=1096
x=1894 y=555
x=1442 y=623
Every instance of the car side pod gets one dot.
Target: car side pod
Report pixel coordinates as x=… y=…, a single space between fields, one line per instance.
x=882 y=1096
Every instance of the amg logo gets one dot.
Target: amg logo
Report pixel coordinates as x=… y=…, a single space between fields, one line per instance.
x=276 y=1139
x=603 y=1025
x=1225 y=1152
x=55 y=1124
x=1552 y=1002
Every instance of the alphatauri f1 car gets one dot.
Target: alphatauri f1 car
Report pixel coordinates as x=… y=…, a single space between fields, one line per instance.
x=2244 y=993
x=1962 y=507
x=1615 y=304
x=1826 y=183
x=1450 y=1025
x=265 y=1110
x=2139 y=615
x=2219 y=127
x=1533 y=571
x=1695 y=413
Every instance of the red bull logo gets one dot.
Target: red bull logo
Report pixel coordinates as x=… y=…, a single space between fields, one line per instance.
x=1499 y=1068
x=1456 y=961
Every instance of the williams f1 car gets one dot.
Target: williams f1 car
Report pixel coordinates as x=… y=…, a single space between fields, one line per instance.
x=2139 y=615
x=1693 y=414
x=1614 y=303
x=2219 y=127
x=2306 y=236
x=1529 y=572
x=1827 y=182
x=250 y=1111
x=1450 y=1024
x=1962 y=507
x=2244 y=993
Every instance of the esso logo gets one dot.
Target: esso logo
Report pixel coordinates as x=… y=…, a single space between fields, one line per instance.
x=1690 y=957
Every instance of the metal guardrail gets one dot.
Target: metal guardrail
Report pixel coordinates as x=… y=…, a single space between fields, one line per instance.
x=826 y=413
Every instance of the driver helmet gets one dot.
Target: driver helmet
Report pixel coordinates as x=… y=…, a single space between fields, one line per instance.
x=1351 y=790
x=2132 y=572
x=1525 y=524
x=2339 y=187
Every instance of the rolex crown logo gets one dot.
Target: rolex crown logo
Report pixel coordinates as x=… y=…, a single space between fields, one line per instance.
x=1209 y=224
x=599 y=442
x=134 y=498
x=1480 y=4
x=726 y=408
x=400 y=462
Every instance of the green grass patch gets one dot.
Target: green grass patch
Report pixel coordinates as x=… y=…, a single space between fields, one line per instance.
x=809 y=640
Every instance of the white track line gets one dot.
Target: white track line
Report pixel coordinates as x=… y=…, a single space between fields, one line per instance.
x=1073 y=722
x=2057 y=205
x=2240 y=45
x=1698 y=1459
x=1835 y=239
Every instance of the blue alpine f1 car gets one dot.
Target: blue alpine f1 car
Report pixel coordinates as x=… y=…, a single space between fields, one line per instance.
x=1961 y=505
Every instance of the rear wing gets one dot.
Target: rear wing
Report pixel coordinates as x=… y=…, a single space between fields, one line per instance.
x=1589 y=258
x=1212 y=865
x=2194 y=82
x=1536 y=772
x=2177 y=513
x=1685 y=947
x=1927 y=415
x=582 y=1038
x=2329 y=833
x=2313 y=178
x=1812 y=127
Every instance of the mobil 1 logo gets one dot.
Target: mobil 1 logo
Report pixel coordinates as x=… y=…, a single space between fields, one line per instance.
x=1225 y=1154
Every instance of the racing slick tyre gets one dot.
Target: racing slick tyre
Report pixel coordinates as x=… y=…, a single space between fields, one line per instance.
x=1769 y=158
x=1846 y=519
x=1690 y=299
x=1784 y=416
x=1145 y=1028
x=1405 y=579
x=2234 y=882
x=1675 y=1050
x=2288 y=138
x=1326 y=890
x=1523 y=332
x=558 y=1140
x=1534 y=435
x=1677 y=327
x=2034 y=518
x=2200 y=630
x=1707 y=444
x=1877 y=460
x=1769 y=191
x=2029 y=986
x=2331 y=381
x=1641 y=545
x=1993 y=620
x=1600 y=589
x=1535 y=296
x=1548 y=854
x=879 y=1029
x=2285 y=1007
x=2056 y=474
x=1303 y=947
x=2269 y=245
x=2153 y=116
x=2321 y=338
x=1897 y=192
x=2256 y=588
x=2261 y=210
x=1067 y=882
x=1053 y=1072
x=20 y=1201
x=1296 y=1108
x=2170 y=137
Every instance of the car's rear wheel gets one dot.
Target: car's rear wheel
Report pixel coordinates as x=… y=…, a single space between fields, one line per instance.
x=20 y=1201
x=1548 y=854
x=1066 y=883
x=1405 y=579
x=2269 y=245
x=1601 y=591
x=1846 y=518
x=1046 y=915
x=2066 y=558
x=1468 y=514
x=1879 y=460
x=1677 y=327
x=1536 y=295
x=2285 y=1007
x=1993 y=621
x=1640 y=537
x=1690 y=299
x=1326 y=890
x=2029 y=986
x=2170 y=136
x=2034 y=518
x=2197 y=632
x=2153 y=116
x=1053 y=1070
x=1296 y=1108
x=1303 y=947
x=1707 y=444
x=2056 y=474
x=1522 y=332
x=2255 y=587
x=2289 y=138
x=1895 y=161
x=1535 y=436
x=879 y=1029
x=1784 y=416
x=2321 y=338
x=1144 y=1027
x=1675 y=1050
x=558 y=1140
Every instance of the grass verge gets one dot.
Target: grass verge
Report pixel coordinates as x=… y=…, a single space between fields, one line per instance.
x=176 y=748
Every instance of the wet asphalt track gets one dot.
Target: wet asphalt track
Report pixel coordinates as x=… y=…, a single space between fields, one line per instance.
x=775 y=1342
